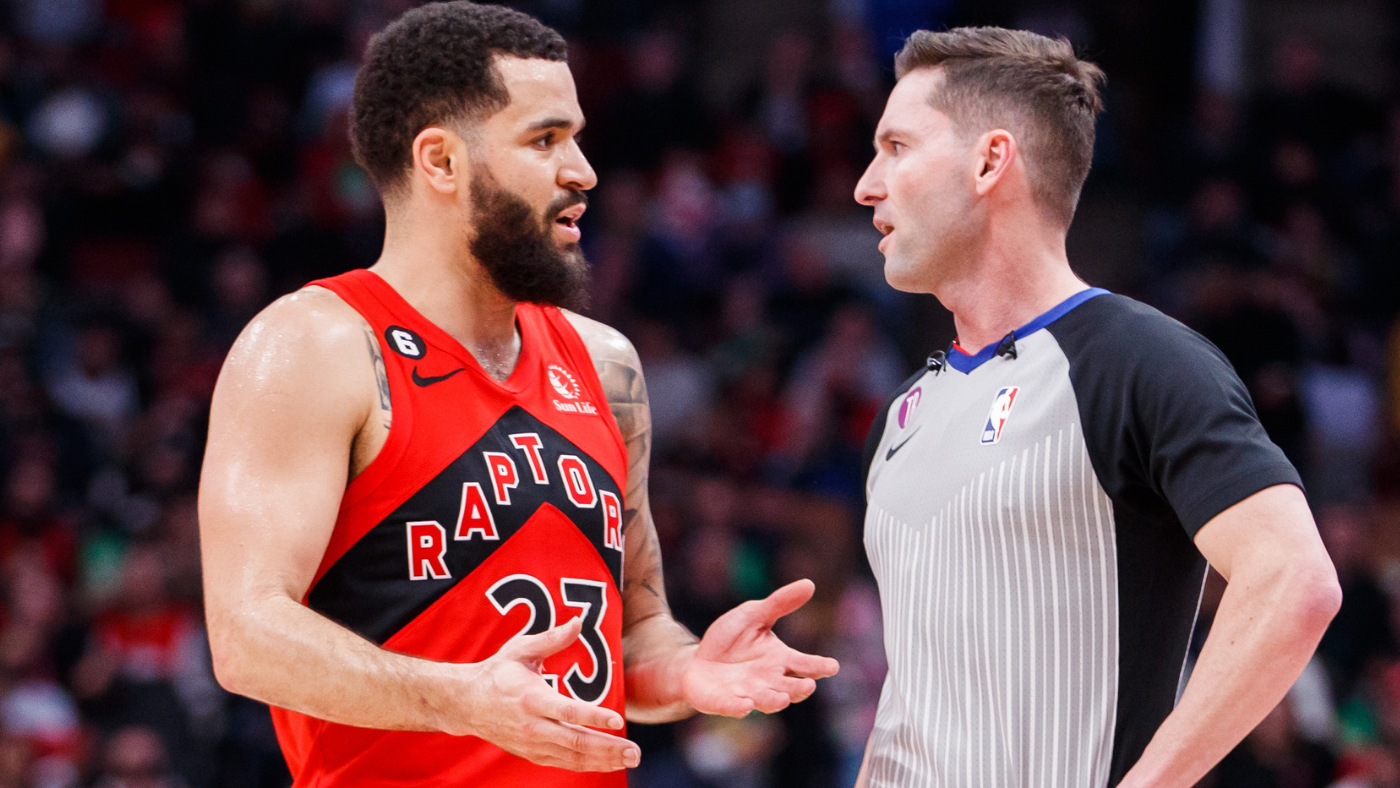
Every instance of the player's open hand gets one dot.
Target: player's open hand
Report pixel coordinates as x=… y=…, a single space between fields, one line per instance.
x=741 y=665
x=511 y=705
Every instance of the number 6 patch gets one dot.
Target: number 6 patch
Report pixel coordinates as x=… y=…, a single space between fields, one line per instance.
x=405 y=342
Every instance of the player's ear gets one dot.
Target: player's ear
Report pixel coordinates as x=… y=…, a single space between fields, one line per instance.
x=440 y=159
x=993 y=155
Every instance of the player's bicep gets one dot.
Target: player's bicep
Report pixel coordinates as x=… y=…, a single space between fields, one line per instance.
x=284 y=416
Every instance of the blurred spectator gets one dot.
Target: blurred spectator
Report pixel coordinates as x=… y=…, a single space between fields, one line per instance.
x=678 y=262
x=240 y=292
x=135 y=757
x=31 y=527
x=97 y=387
x=658 y=96
x=679 y=385
x=1274 y=756
x=36 y=708
x=147 y=663
x=1364 y=629
x=1342 y=406
x=859 y=645
x=614 y=247
x=834 y=393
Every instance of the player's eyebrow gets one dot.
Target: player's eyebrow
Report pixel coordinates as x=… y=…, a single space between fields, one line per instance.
x=556 y=123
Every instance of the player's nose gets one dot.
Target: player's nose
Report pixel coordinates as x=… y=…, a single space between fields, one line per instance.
x=576 y=173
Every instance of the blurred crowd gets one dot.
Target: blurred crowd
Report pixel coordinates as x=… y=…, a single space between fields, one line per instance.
x=167 y=168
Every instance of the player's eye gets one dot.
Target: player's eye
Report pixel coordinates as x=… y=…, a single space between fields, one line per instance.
x=544 y=143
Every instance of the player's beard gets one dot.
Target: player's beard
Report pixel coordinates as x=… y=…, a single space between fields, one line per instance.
x=518 y=250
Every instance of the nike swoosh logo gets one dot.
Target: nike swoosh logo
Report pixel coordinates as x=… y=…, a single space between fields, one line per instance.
x=422 y=381
x=899 y=445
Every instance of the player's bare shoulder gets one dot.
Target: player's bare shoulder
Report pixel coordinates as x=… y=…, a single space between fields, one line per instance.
x=308 y=353
x=619 y=368
x=604 y=342
x=310 y=330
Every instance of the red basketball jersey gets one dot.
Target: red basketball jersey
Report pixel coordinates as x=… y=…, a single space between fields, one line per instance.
x=493 y=510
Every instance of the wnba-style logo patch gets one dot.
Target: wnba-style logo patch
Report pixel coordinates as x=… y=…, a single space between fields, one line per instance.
x=997 y=416
x=909 y=405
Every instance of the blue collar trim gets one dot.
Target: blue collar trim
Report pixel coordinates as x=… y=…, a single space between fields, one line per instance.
x=964 y=363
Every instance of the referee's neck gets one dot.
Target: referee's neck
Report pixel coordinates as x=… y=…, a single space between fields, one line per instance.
x=1006 y=288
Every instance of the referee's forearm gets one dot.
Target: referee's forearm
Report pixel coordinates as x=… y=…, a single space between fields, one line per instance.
x=1266 y=629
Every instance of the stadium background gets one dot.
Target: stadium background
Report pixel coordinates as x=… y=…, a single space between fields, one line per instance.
x=167 y=168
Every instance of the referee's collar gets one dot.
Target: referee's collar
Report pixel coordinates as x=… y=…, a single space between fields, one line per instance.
x=959 y=359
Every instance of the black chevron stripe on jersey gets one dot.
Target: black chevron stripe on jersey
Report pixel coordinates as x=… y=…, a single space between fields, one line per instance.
x=369 y=591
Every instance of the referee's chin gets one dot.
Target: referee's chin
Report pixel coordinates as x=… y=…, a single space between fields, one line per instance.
x=903 y=275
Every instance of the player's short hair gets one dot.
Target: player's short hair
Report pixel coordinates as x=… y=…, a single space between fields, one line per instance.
x=436 y=64
x=1030 y=85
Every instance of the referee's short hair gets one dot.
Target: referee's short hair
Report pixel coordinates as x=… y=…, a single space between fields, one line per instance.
x=1030 y=85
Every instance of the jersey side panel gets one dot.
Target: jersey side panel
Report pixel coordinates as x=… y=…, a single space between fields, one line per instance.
x=1174 y=440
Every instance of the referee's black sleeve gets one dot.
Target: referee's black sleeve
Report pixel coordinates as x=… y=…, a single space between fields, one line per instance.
x=1164 y=413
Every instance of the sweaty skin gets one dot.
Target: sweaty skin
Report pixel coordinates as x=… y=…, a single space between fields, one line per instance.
x=302 y=407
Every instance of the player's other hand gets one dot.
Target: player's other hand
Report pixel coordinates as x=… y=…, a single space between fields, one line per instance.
x=506 y=701
x=741 y=665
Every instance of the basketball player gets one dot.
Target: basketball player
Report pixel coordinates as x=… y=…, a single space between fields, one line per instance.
x=424 y=501
x=1044 y=496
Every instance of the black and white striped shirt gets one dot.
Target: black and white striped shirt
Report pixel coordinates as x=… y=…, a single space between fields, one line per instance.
x=1030 y=524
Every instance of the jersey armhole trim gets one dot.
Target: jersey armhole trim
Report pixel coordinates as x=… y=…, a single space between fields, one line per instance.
x=370 y=480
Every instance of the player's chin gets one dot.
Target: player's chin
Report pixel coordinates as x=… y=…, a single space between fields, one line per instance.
x=572 y=255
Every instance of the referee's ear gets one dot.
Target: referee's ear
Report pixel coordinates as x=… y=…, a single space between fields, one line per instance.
x=996 y=156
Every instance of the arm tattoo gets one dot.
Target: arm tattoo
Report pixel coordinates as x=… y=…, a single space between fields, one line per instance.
x=381 y=374
x=620 y=372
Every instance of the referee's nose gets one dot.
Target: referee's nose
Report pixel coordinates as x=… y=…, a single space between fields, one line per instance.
x=870 y=189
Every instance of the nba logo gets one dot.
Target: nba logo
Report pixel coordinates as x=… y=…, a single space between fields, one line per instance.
x=1000 y=412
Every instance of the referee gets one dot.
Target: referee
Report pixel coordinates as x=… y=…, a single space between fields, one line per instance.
x=1044 y=496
